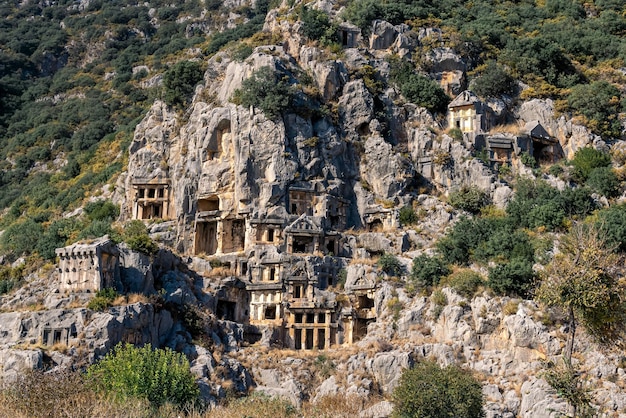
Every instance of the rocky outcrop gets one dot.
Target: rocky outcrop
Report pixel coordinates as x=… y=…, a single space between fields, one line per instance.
x=571 y=136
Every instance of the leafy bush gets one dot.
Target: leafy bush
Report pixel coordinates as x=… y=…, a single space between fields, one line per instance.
x=586 y=159
x=103 y=299
x=599 y=102
x=10 y=277
x=136 y=236
x=417 y=88
x=407 y=215
x=469 y=198
x=428 y=390
x=96 y=229
x=252 y=26
x=542 y=57
x=428 y=271
x=56 y=236
x=315 y=23
x=455 y=133
x=241 y=52
x=160 y=376
x=22 y=237
x=528 y=160
x=603 y=180
x=466 y=282
x=514 y=278
x=180 y=82
x=266 y=91
x=101 y=210
x=611 y=223
x=390 y=264
x=494 y=81
x=537 y=204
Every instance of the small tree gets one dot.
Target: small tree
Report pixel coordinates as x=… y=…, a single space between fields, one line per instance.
x=265 y=90
x=418 y=88
x=603 y=180
x=599 y=103
x=160 y=376
x=494 y=81
x=390 y=264
x=428 y=390
x=408 y=216
x=583 y=280
x=136 y=236
x=180 y=82
x=513 y=278
x=428 y=271
x=586 y=159
x=469 y=198
x=315 y=23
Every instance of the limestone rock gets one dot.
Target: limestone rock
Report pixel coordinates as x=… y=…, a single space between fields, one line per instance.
x=382 y=409
x=387 y=368
x=356 y=109
x=288 y=390
x=15 y=362
x=327 y=388
x=538 y=403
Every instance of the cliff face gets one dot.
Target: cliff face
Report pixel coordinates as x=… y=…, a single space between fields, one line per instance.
x=276 y=223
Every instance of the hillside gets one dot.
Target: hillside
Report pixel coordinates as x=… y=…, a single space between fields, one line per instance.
x=307 y=199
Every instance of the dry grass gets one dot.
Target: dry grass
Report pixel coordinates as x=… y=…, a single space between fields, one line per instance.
x=506 y=129
x=364 y=261
x=511 y=307
x=221 y=272
x=69 y=395
x=63 y=395
x=337 y=406
x=138 y=297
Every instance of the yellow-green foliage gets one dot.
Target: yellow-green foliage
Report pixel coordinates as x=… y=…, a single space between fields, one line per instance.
x=160 y=376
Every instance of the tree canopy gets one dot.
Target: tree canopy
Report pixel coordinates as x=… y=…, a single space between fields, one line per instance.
x=428 y=390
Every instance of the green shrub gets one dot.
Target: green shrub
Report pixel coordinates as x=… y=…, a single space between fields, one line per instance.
x=600 y=104
x=180 y=82
x=494 y=81
x=603 y=180
x=586 y=159
x=104 y=298
x=483 y=239
x=342 y=275
x=266 y=91
x=56 y=236
x=538 y=204
x=556 y=170
x=611 y=223
x=466 y=282
x=417 y=88
x=428 y=390
x=514 y=278
x=96 y=229
x=390 y=264
x=428 y=271
x=101 y=210
x=10 y=277
x=408 y=216
x=456 y=134
x=22 y=237
x=241 y=52
x=469 y=198
x=315 y=23
x=160 y=376
x=528 y=160
x=136 y=236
